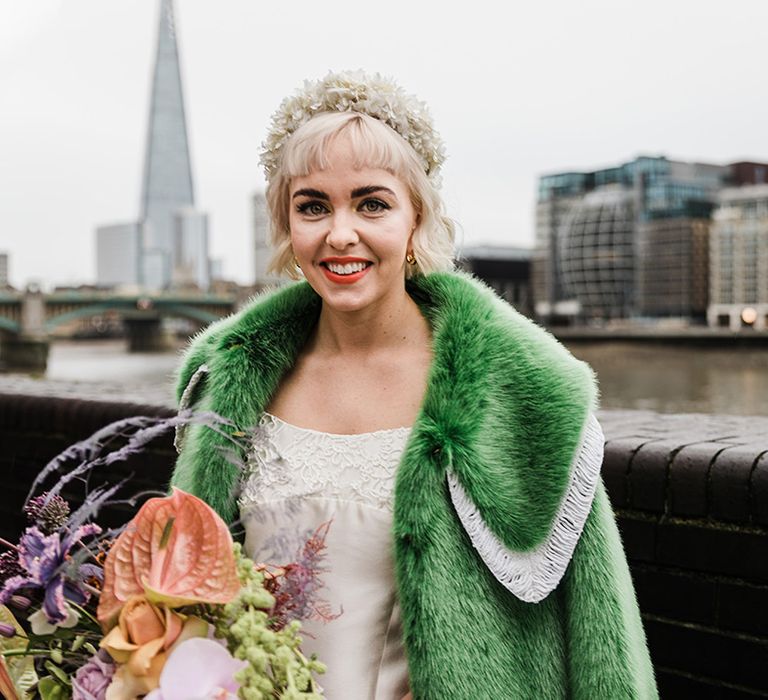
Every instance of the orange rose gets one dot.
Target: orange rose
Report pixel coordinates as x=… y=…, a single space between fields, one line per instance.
x=140 y=644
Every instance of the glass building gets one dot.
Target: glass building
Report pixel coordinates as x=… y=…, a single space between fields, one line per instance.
x=192 y=269
x=119 y=255
x=262 y=250
x=4 y=270
x=625 y=241
x=172 y=236
x=672 y=273
x=595 y=254
x=167 y=182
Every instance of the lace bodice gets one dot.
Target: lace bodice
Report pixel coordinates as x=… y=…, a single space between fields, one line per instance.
x=288 y=462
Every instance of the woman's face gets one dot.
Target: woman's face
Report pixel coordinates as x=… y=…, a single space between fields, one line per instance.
x=351 y=230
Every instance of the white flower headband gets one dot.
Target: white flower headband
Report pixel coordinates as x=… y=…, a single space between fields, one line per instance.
x=356 y=91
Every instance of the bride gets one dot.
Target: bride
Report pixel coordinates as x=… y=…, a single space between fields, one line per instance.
x=447 y=444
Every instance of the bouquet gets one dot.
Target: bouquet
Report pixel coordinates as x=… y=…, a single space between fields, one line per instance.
x=166 y=607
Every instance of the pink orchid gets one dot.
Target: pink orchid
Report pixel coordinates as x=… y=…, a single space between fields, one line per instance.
x=198 y=669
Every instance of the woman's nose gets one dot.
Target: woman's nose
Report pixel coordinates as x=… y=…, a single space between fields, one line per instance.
x=342 y=231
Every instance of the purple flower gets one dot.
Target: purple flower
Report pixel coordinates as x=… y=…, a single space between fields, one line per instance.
x=9 y=565
x=44 y=559
x=92 y=680
x=20 y=602
x=48 y=512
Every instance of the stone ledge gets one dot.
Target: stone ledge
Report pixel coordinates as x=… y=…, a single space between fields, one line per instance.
x=688 y=465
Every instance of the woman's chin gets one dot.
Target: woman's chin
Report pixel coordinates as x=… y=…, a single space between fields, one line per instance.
x=346 y=300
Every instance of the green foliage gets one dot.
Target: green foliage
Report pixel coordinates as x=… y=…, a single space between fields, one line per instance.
x=52 y=689
x=21 y=668
x=277 y=668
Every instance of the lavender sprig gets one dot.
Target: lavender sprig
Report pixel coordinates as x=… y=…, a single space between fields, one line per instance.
x=145 y=430
x=86 y=450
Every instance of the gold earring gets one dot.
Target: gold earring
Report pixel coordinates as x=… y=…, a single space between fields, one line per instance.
x=410 y=258
x=296 y=262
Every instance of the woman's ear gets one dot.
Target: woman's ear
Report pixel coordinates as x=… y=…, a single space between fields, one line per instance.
x=416 y=223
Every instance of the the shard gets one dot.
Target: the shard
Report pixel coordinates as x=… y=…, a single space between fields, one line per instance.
x=167 y=182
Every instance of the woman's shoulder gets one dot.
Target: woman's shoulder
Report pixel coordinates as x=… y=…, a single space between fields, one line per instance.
x=270 y=308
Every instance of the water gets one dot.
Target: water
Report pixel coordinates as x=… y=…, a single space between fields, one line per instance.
x=666 y=379
x=678 y=379
x=101 y=370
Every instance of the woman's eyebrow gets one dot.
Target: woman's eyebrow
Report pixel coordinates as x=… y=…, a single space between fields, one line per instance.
x=370 y=189
x=309 y=192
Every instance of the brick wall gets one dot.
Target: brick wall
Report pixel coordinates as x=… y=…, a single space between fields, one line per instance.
x=34 y=429
x=691 y=498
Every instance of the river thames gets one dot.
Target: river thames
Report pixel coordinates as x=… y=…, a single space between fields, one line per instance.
x=666 y=379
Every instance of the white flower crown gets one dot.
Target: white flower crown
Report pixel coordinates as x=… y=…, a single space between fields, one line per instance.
x=356 y=91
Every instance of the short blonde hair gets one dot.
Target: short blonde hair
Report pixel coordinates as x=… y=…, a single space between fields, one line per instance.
x=375 y=145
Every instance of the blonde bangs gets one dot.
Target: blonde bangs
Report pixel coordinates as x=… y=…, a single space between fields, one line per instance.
x=373 y=143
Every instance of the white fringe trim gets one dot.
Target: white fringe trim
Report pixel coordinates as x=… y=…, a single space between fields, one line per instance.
x=532 y=576
x=185 y=402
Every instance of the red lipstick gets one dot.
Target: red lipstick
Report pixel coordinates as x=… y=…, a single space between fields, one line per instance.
x=344 y=279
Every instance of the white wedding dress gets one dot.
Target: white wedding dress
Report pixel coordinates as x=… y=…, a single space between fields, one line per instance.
x=300 y=479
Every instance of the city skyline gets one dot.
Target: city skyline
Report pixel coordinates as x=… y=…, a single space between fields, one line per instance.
x=561 y=88
x=632 y=240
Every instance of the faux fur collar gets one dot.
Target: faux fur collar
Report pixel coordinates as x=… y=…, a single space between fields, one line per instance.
x=505 y=408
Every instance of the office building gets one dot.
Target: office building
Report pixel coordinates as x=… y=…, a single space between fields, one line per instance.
x=119 y=255
x=625 y=241
x=595 y=262
x=217 y=269
x=155 y=269
x=738 y=280
x=167 y=181
x=506 y=269
x=557 y=195
x=192 y=267
x=672 y=268
x=174 y=242
x=4 y=270
x=262 y=249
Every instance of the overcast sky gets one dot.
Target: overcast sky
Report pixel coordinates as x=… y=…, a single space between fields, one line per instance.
x=551 y=85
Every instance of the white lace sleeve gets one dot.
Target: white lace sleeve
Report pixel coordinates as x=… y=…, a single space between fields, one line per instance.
x=185 y=402
x=531 y=576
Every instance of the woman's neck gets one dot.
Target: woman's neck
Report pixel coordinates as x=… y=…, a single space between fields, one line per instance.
x=395 y=323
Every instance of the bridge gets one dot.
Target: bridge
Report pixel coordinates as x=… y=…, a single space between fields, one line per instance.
x=27 y=319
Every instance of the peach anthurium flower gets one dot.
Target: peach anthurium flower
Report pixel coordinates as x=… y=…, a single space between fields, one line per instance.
x=176 y=551
x=7 y=688
x=140 y=643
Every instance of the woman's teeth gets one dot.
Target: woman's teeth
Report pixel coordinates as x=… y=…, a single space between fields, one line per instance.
x=346 y=269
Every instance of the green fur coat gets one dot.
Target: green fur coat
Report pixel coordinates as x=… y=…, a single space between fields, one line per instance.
x=512 y=579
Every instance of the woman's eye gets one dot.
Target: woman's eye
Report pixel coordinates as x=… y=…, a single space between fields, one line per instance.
x=312 y=208
x=373 y=206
